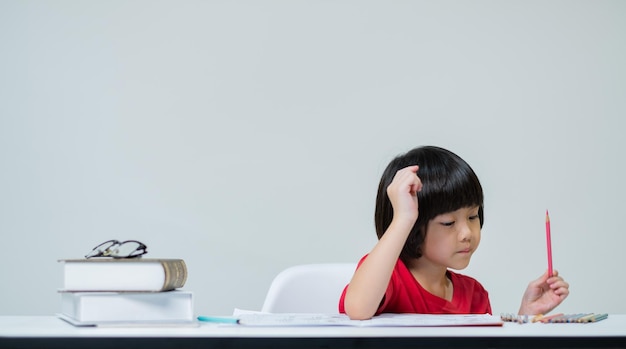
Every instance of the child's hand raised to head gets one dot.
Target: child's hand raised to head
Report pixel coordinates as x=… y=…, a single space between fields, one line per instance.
x=544 y=294
x=402 y=193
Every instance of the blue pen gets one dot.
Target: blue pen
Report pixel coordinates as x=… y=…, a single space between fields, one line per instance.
x=218 y=319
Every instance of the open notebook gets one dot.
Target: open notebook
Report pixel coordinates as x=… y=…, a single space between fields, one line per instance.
x=249 y=318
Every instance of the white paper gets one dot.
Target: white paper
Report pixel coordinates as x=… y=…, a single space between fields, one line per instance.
x=251 y=318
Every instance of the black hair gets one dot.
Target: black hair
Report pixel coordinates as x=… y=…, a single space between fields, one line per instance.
x=448 y=184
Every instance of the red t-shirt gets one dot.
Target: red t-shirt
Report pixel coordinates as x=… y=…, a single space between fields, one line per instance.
x=405 y=295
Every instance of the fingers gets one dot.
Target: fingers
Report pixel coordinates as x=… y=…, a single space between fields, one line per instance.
x=555 y=279
x=416 y=182
x=559 y=286
x=405 y=180
x=556 y=284
x=402 y=193
x=545 y=276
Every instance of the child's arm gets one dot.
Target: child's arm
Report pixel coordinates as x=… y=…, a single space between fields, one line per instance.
x=544 y=294
x=370 y=280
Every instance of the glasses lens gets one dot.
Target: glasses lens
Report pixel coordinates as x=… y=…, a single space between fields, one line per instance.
x=102 y=249
x=128 y=249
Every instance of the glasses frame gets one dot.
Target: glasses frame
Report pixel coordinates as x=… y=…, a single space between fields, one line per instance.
x=109 y=253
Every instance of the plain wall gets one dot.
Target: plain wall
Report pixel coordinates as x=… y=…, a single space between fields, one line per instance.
x=249 y=136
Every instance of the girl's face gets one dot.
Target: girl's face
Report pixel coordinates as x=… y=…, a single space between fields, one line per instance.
x=452 y=238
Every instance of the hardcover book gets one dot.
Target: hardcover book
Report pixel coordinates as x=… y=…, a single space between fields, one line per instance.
x=124 y=274
x=97 y=308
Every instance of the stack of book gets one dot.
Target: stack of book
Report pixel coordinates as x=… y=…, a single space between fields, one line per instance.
x=104 y=291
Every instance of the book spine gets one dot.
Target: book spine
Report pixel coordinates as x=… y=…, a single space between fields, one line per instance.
x=175 y=274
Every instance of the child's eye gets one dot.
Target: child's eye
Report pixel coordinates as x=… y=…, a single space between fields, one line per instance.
x=447 y=224
x=474 y=217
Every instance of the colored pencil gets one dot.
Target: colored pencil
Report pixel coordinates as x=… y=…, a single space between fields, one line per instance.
x=549 y=244
x=549 y=318
x=596 y=317
x=586 y=318
x=571 y=317
x=579 y=316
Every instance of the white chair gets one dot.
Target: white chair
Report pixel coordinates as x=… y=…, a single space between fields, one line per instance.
x=308 y=288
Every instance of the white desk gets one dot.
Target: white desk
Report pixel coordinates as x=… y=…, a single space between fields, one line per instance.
x=50 y=332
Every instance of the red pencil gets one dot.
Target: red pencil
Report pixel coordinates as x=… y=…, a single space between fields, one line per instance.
x=549 y=243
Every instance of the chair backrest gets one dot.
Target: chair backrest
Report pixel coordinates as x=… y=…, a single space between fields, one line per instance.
x=308 y=288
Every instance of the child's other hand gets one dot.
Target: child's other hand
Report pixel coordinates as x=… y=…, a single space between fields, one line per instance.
x=544 y=294
x=402 y=193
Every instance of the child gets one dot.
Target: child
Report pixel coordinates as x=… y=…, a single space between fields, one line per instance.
x=429 y=212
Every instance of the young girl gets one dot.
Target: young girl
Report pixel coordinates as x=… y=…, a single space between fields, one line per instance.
x=429 y=212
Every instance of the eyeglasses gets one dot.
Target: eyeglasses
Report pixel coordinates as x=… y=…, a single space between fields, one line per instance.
x=116 y=249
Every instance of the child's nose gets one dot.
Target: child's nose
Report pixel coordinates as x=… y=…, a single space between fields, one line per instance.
x=465 y=231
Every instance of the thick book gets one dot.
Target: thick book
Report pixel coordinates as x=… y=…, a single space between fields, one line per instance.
x=101 y=308
x=124 y=274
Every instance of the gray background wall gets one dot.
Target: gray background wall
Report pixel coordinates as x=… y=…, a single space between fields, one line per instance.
x=249 y=136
